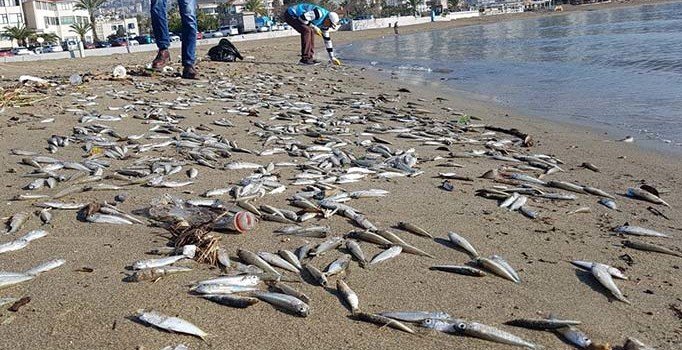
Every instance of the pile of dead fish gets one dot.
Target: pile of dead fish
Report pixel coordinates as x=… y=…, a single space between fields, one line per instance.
x=327 y=149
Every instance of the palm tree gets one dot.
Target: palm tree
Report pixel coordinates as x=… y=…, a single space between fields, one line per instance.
x=81 y=29
x=255 y=6
x=50 y=38
x=20 y=34
x=413 y=5
x=453 y=5
x=90 y=6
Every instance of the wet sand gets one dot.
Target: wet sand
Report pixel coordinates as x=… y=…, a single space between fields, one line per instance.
x=81 y=310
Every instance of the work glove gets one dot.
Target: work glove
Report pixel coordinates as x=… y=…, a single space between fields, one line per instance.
x=335 y=61
x=318 y=31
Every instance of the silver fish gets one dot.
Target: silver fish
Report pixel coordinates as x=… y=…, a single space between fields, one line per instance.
x=99 y=218
x=231 y=300
x=387 y=254
x=349 y=295
x=16 y=222
x=462 y=270
x=518 y=203
x=383 y=321
x=326 y=246
x=495 y=267
x=638 y=231
x=221 y=289
x=587 y=265
x=646 y=196
x=601 y=273
x=337 y=266
x=415 y=316
x=316 y=274
x=542 y=323
x=155 y=274
x=290 y=291
x=597 y=192
x=511 y=199
x=6 y=281
x=46 y=266
x=609 y=203
x=45 y=216
x=276 y=260
x=650 y=248
x=290 y=257
x=239 y=280
x=414 y=229
x=355 y=250
x=462 y=243
x=13 y=245
x=172 y=324
x=477 y=330
x=502 y=262
x=285 y=302
x=574 y=336
x=303 y=251
x=253 y=259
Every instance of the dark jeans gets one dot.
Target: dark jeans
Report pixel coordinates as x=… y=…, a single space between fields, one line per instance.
x=188 y=15
x=307 y=36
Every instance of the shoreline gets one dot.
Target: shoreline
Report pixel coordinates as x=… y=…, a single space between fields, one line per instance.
x=86 y=305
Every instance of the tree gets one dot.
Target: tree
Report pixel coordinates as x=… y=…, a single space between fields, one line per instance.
x=21 y=34
x=90 y=6
x=81 y=29
x=255 y=6
x=144 y=23
x=413 y=5
x=121 y=32
x=453 y=5
x=48 y=38
x=206 y=22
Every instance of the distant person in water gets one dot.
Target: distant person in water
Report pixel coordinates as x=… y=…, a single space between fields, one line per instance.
x=395 y=28
x=188 y=16
x=309 y=19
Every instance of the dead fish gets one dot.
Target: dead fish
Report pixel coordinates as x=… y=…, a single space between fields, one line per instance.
x=462 y=243
x=171 y=324
x=154 y=274
x=354 y=248
x=253 y=259
x=348 y=295
x=511 y=199
x=284 y=301
x=477 y=330
x=645 y=196
x=316 y=274
x=221 y=289
x=242 y=166
x=44 y=267
x=383 y=321
x=496 y=268
x=303 y=251
x=370 y=237
x=462 y=270
x=312 y=231
x=223 y=257
x=338 y=266
x=192 y=173
x=587 y=265
x=542 y=323
x=634 y=344
x=10 y=280
x=326 y=246
x=290 y=257
x=387 y=254
x=276 y=260
x=61 y=205
x=609 y=203
x=648 y=247
x=590 y=166
x=99 y=218
x=290 y=291
x=527 y=212
x=414 y=229
x=45 y=216
x=16 y=222
x=580 y=211
x=574 y=336
x=597 y=192
x=601 y=274
x=415 y=316
x=638 y=231
x=231 y=300
x=566 y=186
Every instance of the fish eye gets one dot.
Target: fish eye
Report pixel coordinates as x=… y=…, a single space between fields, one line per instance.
x=462 y=325
x=428 y=321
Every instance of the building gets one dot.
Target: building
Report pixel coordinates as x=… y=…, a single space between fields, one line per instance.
x=107 y=26
x=52 y=16
x=495 y=7
x=11 y=15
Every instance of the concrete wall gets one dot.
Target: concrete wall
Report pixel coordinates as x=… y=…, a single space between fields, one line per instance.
x=407 y=20
x=144 y=48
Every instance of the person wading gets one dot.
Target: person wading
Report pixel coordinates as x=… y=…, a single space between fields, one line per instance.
x=188 y=16
x=309 y=19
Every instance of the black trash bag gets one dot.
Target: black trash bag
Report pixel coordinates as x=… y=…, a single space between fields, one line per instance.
x=224 y=52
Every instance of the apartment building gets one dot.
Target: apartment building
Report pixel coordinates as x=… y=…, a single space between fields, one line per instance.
x=11 y=15
x=53 y=16
x=106 y=26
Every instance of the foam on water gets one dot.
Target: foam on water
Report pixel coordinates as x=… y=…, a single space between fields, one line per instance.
x=619 y=69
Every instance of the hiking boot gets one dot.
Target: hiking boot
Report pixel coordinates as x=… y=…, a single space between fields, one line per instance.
x=189 y=72
x=308 y=62
x=162 y=59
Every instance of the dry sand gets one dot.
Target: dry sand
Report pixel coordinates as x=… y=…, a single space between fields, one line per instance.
x=80 y=310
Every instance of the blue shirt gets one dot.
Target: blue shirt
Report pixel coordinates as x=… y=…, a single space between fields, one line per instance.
x=309 y=13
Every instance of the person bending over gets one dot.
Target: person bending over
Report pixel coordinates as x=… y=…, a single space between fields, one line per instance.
x=309 y=19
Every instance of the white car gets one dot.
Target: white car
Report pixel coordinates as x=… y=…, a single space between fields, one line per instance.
x=215 y=34
x=174 y=38
x=22 y=51
x=53 y=48
x=229 y=30
x=133 y=42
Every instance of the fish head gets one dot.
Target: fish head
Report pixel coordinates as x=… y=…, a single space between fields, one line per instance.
x=303 y=310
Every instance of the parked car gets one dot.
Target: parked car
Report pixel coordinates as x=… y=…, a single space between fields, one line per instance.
x=22 y=51
x=144 y=39
x=89 y=46
x=6 y=53
x=70 y=45
x=52 y=48
x=174 y=37
x=229 y=30
x=36 y=49
x=200 y=35
x=263 y=29
x=102 y=44
x=214 y=34
x=133 y=42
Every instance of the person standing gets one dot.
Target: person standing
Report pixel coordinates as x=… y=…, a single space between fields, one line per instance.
x=309 y=20
x=188 y=16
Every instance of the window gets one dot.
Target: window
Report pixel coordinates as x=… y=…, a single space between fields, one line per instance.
x=131 y=25
x=51 y=21
x=67 y=20
x=114 y=28
x=3 y=19
x=16 y=18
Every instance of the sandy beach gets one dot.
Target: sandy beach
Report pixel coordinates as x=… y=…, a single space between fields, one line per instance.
x=85 y=304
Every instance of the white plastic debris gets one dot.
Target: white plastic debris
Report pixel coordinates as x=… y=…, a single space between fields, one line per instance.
x=120 y=72
x=29 y=78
